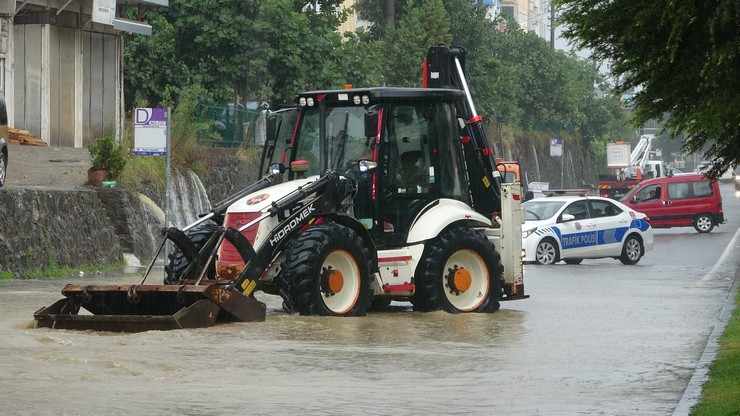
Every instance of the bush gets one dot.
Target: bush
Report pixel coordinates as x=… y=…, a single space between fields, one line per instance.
x=106 y=154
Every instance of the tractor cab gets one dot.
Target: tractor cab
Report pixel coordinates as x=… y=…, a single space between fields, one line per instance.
x=409 y=143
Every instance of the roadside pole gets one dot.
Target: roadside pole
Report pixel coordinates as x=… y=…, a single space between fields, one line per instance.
x=167 y=178
x=152 y=138
x=556 y=150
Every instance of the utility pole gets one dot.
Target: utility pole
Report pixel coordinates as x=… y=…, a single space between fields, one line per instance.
x=552 y=26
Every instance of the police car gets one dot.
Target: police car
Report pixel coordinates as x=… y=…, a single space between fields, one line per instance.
x=573 y=228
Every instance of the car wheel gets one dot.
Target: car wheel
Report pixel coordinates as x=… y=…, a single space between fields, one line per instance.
x=573 y=261
x=632 y=250
x=3 y=168
x=703 y=223
x=547 y=252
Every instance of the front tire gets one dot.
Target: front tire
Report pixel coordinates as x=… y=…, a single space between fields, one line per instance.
x=460 y=271
x=178 y=262
x=632 y=251
x=326 y=272
x=547 y=252
x=703 y=223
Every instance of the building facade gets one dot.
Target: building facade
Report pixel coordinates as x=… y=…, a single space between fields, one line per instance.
x=61 y=67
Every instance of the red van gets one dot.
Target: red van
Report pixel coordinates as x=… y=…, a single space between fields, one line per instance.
x=678 y=201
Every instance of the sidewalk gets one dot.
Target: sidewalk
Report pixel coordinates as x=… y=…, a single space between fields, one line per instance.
x=52 y=167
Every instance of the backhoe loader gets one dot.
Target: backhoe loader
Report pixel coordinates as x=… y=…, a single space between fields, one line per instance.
x=376 y=195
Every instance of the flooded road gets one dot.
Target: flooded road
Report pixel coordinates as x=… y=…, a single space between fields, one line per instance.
x=598 y=338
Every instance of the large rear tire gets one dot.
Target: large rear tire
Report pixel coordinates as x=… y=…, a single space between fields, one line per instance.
x=326 y=272
x=178 y=262
x=460 y=271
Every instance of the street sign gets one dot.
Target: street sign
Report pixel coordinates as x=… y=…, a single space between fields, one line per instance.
x=556 y=147
x=618 y=155
x=150 y=131
x=103 y=11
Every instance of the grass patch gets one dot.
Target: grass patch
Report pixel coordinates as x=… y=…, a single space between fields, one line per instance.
x=6 y=276
x=721 y=392
x=66 y=271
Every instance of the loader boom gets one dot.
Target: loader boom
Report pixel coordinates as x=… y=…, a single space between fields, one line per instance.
x=443 y=68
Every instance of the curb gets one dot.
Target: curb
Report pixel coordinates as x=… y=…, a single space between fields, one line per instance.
x=692 y=393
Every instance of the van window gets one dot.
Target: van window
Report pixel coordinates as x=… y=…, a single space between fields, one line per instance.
x=678 y=190
x=649 y=193
x=683 y=190
x=702 y=188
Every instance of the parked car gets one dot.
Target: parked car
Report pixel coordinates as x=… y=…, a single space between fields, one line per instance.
x=679 y=201
x=3 y=140
x=573 y=228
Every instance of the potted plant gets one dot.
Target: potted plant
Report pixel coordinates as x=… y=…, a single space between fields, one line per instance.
x=108 y=160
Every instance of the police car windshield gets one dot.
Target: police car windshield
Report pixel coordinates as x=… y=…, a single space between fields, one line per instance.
x=541 y=209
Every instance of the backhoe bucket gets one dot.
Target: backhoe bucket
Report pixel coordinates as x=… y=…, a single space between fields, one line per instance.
x=136 y=308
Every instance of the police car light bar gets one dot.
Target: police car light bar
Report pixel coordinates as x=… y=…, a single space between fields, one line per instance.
x=560 y=192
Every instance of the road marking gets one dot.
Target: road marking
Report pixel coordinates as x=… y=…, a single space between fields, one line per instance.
x=728 y=250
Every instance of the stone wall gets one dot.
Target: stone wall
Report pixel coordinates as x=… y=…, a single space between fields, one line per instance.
x=573 y=170
x=41 y=228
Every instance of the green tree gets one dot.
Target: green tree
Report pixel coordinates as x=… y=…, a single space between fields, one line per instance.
x=681 y=57
x=260 y=50
x=407 y=44
x=212 y=38
x=151 y=62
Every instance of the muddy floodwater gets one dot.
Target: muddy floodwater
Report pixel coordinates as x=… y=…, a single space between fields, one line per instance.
x=598 y=338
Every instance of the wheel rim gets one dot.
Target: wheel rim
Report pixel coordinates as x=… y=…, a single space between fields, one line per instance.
x=339 y=281
x=466 y=280
x=633 y=249
x=2 y=170
x=545 y=253
x=703 y=223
